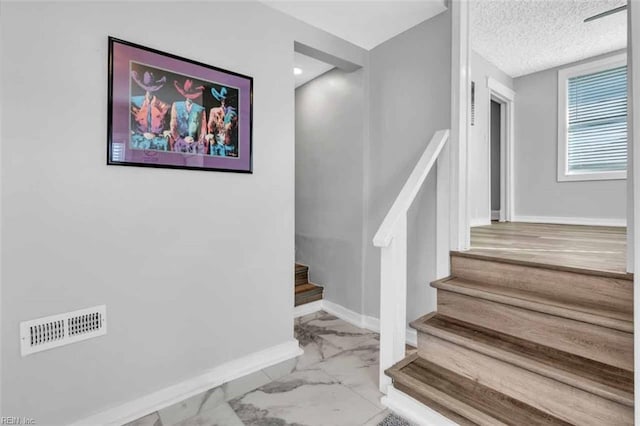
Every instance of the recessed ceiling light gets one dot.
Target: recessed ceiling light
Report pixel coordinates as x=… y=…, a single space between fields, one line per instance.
x=297 y=71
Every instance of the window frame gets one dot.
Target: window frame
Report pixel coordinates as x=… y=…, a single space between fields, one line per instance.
x=564 y=74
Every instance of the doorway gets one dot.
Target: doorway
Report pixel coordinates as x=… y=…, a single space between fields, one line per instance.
x=494 y=138
x=501 y=125
x=329 y=101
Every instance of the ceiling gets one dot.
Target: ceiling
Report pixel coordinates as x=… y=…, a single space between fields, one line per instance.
x=311 y=68
x=524 y=36
x=361 y=22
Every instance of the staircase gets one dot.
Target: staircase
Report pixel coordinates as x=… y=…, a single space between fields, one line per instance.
x=515 y=342
x=305 y=292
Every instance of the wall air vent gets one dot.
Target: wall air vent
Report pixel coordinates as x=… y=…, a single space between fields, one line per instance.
x=58 y=330
x=473 y=103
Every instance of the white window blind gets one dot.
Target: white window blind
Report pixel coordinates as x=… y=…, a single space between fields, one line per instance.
x=597 y=121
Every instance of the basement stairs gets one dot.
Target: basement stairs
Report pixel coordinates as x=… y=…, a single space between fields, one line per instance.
x=305 y=291
x=516 y=342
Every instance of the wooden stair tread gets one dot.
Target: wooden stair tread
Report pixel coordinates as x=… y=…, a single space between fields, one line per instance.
x=592 y=376
x=307 y=293
x=308 y=287
x=580 y=311
x=479 y=404
x=301 y=268
x=497 y=258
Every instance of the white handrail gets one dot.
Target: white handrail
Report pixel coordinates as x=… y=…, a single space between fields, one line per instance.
x=410 y=189
x=392 y=239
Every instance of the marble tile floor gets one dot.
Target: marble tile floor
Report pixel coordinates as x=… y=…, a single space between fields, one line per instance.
x=333 y=384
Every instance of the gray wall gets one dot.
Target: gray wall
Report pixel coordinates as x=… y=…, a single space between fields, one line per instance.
x=77 y=233
x=330 y=140
x=410 y=91
x=358 y=136
x=480 y=139
x=495 y=155
x=537 y=191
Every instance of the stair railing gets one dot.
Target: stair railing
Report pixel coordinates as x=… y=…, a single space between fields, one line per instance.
x=392 y=239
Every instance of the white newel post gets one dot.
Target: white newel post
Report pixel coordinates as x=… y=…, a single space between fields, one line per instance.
x=393 y=300
x=392 y=240
x=443 y=209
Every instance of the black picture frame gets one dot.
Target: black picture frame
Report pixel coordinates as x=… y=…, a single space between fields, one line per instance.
x=168 y=111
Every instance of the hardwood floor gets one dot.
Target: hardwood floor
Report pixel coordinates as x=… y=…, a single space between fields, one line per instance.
x=601 y=248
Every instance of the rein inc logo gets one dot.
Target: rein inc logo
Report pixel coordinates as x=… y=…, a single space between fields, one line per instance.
x=15 y=420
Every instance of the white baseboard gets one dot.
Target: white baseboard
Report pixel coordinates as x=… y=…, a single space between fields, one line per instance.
x=226 y=372
x=307 y=308
x=359 y=320
x=373 y=324
x=412 y=410
x=412 y=337
x=479 y=222
x=232 y=370
x=495 y=214
x=590 y=221
x=348 y=315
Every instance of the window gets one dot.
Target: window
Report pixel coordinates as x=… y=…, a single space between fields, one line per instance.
x=592 y=120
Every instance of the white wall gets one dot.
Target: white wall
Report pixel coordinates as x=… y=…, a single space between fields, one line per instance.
x=479 y=145
x=537 y=192
x=410 y=93
x=330 y=141
x=76 y=233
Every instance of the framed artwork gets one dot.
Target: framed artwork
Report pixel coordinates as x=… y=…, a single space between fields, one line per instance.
x=168 y=111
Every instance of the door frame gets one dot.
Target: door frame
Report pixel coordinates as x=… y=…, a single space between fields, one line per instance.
x=506 y=98
x=459 y=224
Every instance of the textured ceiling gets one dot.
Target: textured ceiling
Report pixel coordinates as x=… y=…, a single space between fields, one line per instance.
x=364 y=23
x=524 y=36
